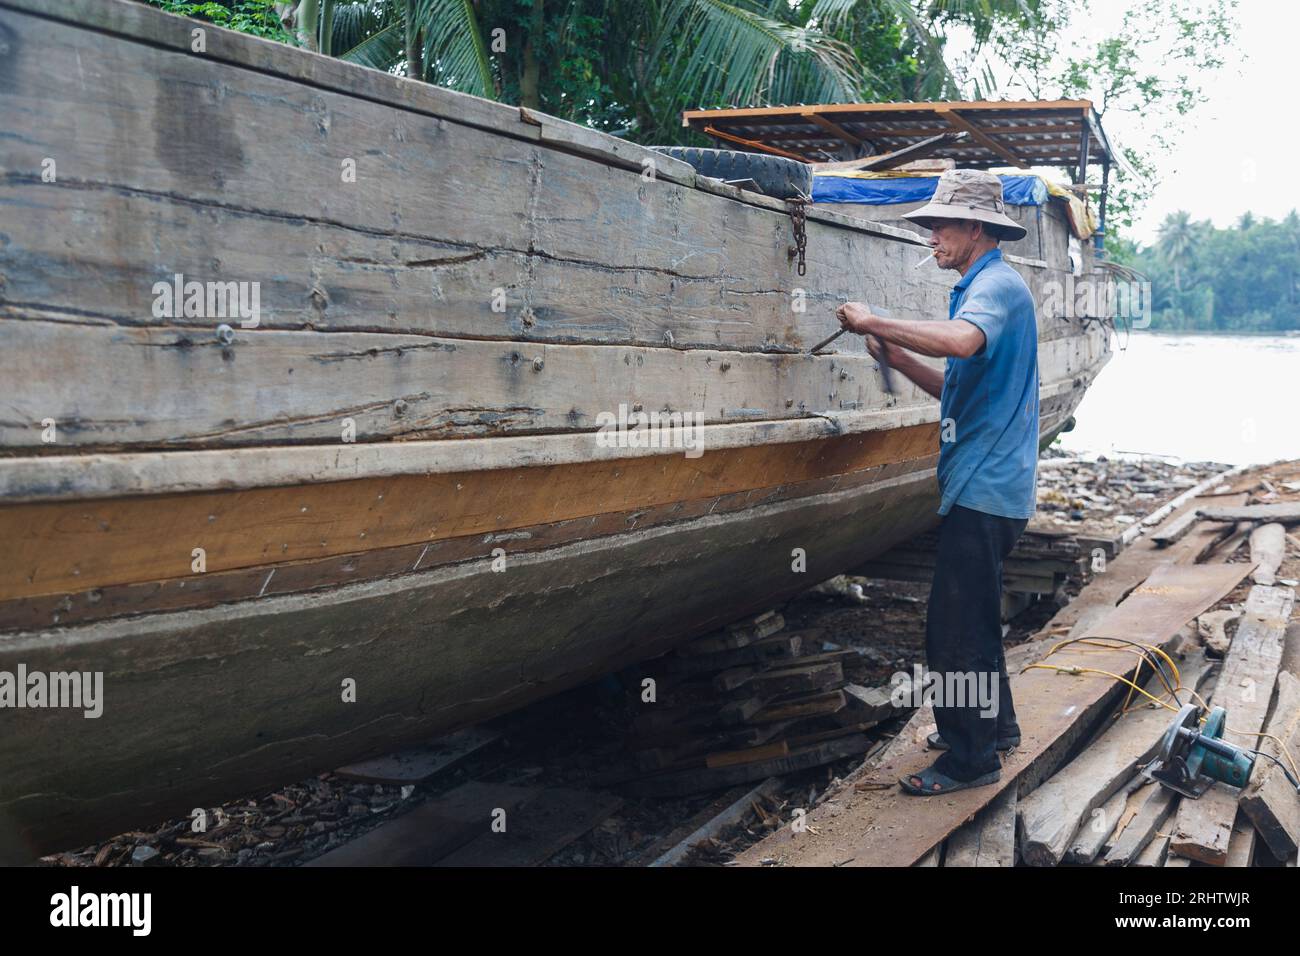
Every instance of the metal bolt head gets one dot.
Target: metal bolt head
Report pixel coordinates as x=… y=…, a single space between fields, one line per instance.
x=537 y=364
x=225 y=334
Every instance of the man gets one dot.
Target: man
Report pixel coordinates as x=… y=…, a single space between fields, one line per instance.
x=988 y=459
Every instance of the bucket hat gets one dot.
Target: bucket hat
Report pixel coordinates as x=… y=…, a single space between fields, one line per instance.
x=968 y=194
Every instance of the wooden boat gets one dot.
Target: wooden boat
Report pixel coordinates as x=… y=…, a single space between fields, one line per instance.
x=184 y=513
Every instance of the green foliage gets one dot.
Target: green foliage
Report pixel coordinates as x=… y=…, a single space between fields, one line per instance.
x=257 y=17
x=629 y=67
x=1245 y=278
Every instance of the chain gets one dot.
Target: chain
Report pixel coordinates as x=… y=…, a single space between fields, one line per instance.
x=798 y=214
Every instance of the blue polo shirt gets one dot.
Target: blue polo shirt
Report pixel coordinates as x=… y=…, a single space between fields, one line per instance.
x=988 y=449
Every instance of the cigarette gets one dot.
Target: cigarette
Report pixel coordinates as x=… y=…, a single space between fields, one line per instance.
x=923 y=261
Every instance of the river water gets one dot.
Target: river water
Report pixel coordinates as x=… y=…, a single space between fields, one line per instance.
x=1226 y=398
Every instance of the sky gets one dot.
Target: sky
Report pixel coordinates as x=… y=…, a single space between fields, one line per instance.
x=1239 y=150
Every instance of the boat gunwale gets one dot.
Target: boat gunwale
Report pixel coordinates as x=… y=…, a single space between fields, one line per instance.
x=126 y=474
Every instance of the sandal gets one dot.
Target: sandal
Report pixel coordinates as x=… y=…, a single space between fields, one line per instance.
x=930 y=777
x=937 y=742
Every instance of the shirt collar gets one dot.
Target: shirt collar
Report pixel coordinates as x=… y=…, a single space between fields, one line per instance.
x=980 y=263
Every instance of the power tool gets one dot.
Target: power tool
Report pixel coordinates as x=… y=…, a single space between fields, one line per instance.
x=1193 y=755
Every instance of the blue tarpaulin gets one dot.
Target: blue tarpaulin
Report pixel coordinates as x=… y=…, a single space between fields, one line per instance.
x=1016 y=190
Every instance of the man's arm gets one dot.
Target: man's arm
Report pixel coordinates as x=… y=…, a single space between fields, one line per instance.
x=927 y=378
x=956 y=339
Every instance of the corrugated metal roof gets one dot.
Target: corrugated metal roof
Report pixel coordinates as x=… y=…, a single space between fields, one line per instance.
x=1000 y=133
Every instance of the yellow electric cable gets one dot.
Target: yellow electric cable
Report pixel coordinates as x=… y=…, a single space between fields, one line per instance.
x=1072 y=669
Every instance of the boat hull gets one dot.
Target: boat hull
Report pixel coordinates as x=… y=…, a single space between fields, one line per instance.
x=383 y=510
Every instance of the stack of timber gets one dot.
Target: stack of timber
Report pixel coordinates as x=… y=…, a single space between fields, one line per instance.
x=392 y=503
x=1041 y=563
x=747 y=703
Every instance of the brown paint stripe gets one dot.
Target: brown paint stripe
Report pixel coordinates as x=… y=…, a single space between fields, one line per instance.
x=224 y=587
x=57 y=548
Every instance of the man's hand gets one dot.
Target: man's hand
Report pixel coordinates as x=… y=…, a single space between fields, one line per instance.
x=891 y=354
x=855 y=317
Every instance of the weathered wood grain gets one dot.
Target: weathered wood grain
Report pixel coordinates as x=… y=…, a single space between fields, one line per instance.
x=1051 y=815
x=278 y=386
x=1269 y=801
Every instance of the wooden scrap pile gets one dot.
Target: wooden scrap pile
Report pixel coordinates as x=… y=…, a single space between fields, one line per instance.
x=1101 y=810
x=747 y=703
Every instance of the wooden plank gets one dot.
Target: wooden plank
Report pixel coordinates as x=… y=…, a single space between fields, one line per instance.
x=431 y=831
x=715 y=824
x=1154 y=854
x=1175 y=529
x=979 y=135
x=143 y=24
x=989 y=839
x=1241 y=846
x=1158 y=807
x=423 y=763
x=216 y=587
x=309 y=387
x=1123 y=574
x=1174 y=593
x=732 y=758
x=819 y=705
x=680 y=783
x=1203 y=827
x=878 y=826
x=1267 y=549
x=835 y=129
x=1269 y=801
x=537 y=830
x=58 y=547
x=1285 y=513
x=779 y=647
x=1099 y=828
x=1051 y=815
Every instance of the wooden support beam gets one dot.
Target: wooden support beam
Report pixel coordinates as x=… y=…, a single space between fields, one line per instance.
x=1286 y=513
x=960 y=122
x=989 y=839
x=754 y=144
x=896 y=158
x=835 y=129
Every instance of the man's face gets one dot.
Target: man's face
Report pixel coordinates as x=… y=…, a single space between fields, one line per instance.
x=953 y=241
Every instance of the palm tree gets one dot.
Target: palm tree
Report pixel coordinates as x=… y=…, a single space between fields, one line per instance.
x=651 y=57
x=1176 y=237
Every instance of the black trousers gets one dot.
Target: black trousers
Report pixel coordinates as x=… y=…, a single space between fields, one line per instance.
x=963 y=639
